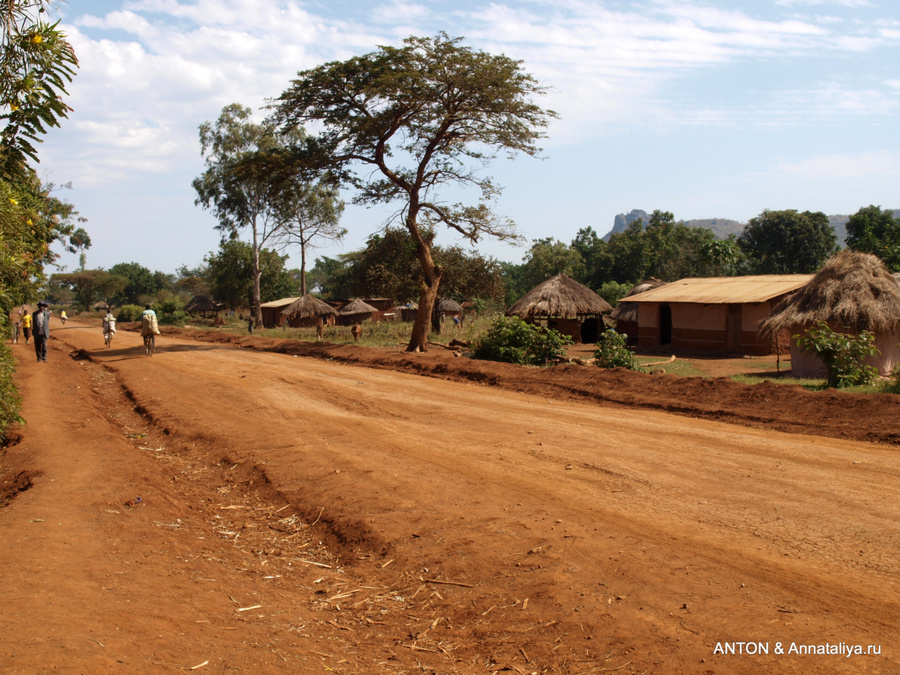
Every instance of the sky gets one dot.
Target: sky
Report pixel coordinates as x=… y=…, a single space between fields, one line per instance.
x=706 y=109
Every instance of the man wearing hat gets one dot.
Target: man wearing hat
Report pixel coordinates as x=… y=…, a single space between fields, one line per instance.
x=41 y=327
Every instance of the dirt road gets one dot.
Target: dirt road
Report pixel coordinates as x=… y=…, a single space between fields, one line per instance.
x=300 y=515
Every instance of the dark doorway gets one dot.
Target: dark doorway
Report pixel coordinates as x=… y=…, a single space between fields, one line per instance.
x=590 y=330
x=665 y=324
x=733 y=328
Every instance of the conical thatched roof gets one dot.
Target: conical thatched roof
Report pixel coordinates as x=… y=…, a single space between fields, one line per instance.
x=559 y=297
x=357 y=306
x=200 y=303
x=449 y=306
x=306 y=308
x=853 y=290
x=628 y=311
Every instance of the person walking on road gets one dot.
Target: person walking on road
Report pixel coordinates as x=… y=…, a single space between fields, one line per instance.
x=26 y=327
x=41 y=321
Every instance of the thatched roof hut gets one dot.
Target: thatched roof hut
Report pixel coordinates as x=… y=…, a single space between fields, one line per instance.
x=200 y=304
x=358 y=310
x=565 y=305
x=307 y=310
x=628 y=311
x=853 y=292
x=447 y=306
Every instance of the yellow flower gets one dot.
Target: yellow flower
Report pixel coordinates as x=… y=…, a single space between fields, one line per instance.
x=29 y=221
x=13 y=107
x=37 y=38
x=13 y=202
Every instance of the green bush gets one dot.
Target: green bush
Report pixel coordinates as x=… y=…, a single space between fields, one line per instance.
x=129 y=313
x=843 y=354
x=170 y=311
x=10 y=401
x=612 y=352
x=511 y=340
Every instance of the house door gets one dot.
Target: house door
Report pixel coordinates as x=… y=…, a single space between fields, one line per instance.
x=733 y=328
x=665 y=324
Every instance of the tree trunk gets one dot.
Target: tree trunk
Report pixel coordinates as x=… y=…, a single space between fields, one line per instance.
x=302 y=269
x=256 y=310
x=436 y=318
x=418 y=341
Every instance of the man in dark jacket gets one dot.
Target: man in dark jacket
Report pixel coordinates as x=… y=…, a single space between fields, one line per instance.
x=41 y=327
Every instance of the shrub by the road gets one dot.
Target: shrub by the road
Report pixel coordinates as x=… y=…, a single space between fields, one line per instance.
x=10 y=401
x=612 y=352
x=843 y=354
x=511 y=340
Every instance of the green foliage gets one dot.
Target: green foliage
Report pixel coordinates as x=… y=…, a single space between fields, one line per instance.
x=231 y=274
x=876 y=231
x=843 y=354
x=170 y=312
x=612 y=291
x=788 y=242
x=36 y=64
x=129 y=313
x=387 y=268
x=548 y=258
x=512 y=340
x=612 y=352
x=10 y=401
x=140 y=283
x=401 y=123
x=90 y=286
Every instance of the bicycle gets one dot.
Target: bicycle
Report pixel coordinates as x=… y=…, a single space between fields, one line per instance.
x=149 y=344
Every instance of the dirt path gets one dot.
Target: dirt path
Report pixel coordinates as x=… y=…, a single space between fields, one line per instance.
x=300 y=514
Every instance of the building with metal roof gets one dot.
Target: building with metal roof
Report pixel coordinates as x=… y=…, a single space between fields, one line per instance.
x=713 y=315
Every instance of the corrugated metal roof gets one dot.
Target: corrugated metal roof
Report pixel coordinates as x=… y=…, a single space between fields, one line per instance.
x=725 y=290
x=283 y=302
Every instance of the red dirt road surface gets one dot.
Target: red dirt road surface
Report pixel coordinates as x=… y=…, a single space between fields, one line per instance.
x=234 y=505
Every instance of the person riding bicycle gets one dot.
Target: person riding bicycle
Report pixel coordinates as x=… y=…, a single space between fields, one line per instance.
x=149 y=324
x=109 y=327
x=63 y=317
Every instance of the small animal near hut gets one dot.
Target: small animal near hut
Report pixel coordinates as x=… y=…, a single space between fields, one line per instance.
x=565 y=305
x=853 y=292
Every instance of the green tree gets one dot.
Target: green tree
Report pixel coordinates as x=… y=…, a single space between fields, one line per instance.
x=140 y=284
x=232 y=273
x=549 y=257
x=596 y=258
x=89 y=286
x=876 y=231
x=788 y=242
x=309 y=214
x=720 y=253
x=402 y=122
x=244 y=186
x=79 y=242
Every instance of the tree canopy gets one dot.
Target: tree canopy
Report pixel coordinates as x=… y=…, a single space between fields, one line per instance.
x=788 y=242
x=401 y=123
x=876 y=231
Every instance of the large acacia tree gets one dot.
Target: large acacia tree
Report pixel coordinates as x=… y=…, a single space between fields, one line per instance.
x=402 y=122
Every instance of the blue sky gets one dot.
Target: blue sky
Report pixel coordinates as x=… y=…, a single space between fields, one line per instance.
x=702 y=108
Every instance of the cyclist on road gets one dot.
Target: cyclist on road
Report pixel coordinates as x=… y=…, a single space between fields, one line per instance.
x=109 y=327
x=149 y=325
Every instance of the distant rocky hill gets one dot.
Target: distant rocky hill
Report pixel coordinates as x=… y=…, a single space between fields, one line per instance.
x=722 y=227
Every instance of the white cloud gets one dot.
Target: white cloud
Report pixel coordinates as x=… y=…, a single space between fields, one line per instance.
x=882 y=164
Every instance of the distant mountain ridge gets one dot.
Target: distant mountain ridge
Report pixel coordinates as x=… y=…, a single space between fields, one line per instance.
x=723 y=227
